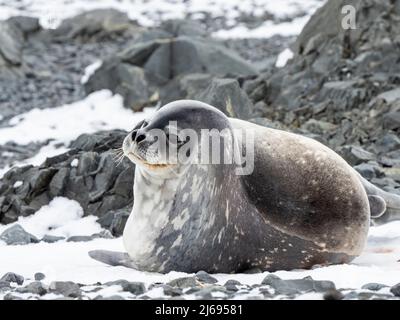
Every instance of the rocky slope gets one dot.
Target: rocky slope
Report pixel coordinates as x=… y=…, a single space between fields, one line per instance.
x=342 y=88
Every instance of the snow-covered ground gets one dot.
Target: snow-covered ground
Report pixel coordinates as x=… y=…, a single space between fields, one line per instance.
x=100 y=110
x=150 y=12
x=69 y=261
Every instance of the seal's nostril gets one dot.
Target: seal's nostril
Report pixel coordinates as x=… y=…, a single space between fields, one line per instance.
x=140 y=138
x=133 y=135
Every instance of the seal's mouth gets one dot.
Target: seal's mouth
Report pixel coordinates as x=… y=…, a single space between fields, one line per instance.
x=152 y=166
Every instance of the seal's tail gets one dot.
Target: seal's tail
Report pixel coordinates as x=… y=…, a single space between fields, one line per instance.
x=112 y=258
x=385 y=206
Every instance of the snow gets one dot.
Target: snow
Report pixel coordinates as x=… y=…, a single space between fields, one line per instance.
x=51 y=13
x=90 y=70
x=17 y=184
x=378 y=263
x=98 y=111
x=74 y=163
x=266 y=30
x=283 y=58
x=61 y=217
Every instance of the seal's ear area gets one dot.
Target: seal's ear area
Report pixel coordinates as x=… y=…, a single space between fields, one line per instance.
x=112 y=258
x=377 y=206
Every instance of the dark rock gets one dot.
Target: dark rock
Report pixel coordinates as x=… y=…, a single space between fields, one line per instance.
x=13 y=277
x=391 y=120
x=369 y=170
x=97 y=183
x=80 y=239
x=95 y=22
x=11 y=42
x=204 y=277
x=389 y=142
x=26 y=24
x=253 y=271
x=184 y=282
x=178 y=27
x=291 y=287
x=16 y=235
x=333 y=295
x=395 y=290
x=232 y=285
x=355 y=155
x=10 y=296
x=136 y=288
x=390 y=96
x=66 y=288
x=51 y=239
x=152 y=70
x=113 y=297
x=227 y=96
x=373 y=286
x=172 y=291
x=115 y=221
x=35 y=287
x=39 y=276
x=4 y=285
x=122 y=78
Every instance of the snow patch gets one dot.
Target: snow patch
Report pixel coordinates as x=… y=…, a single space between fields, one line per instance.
x=61 y=217
x=90 y=70
x=74 y=163
x=99 y=111
x=283 y=58
x=17 y=184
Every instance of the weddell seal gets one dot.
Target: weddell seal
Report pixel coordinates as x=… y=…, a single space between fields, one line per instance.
x=301 y=204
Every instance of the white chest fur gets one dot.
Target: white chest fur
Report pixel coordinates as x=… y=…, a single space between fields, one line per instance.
x=153 y=199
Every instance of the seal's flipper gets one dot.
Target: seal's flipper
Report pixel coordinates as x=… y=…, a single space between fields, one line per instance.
x=377 y=206
x=112 y=258
x=392 y=203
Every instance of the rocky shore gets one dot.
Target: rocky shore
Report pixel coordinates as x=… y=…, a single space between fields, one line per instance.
x=342 y=87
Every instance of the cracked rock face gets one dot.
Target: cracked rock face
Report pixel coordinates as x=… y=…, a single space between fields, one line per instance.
x=88 y=173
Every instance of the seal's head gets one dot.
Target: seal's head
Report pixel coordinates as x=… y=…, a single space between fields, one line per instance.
x=172 y=137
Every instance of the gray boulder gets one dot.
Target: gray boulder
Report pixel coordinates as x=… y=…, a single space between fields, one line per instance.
x=11 y=43
x=95 y=22
x=97 y=182
x=292 y=287
x=16 y=235
x=227 y=96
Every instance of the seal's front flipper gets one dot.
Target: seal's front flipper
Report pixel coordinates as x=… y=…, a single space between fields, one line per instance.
x=112 y=258
x=377 y=206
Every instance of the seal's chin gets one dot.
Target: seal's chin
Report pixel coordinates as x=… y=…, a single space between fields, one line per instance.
x=150 y=166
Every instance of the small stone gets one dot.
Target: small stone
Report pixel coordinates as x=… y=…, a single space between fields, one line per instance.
x=373 y=286
x=136 y=288
x=204 y=277
x=12 y=277
x=253 y=271
x=10 y=296
x=355 y=155
x=51 y=239
x=184 y=282
x=4 y=285
x=66 y=288
x=333 y=295
x=172 y=291
x=39 y=276
x=35 y=287
x=80 y=239
x=291 y=287
x=395 y=290
x=16 y=235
